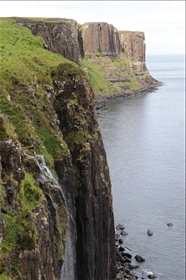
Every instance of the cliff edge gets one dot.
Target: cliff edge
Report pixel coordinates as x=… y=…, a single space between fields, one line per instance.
x=56 y=211
x=56 y=216
x=113 y=60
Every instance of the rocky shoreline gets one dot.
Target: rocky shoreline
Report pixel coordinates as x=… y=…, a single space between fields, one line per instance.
x=124 y=259
x=101 y=100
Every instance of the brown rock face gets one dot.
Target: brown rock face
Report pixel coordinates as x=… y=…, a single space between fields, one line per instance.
x=11 y=165
x=95 y=249
x=37 y=249
x=66 y=228
x=60 y=35
x=134 y=44
x=101 y=37
x=66 y=234
x=96 y=40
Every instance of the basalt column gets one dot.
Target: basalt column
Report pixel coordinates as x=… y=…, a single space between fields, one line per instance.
x=95 y=246
x=133 y=45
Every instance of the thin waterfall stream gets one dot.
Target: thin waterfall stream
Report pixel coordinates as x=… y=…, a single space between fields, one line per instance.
x=68 y=266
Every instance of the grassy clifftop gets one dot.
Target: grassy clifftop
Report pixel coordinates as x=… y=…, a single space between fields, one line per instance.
x=28 y=117
x=23 y=57
x=26 y=89
x=107 y=74
x=47 y=112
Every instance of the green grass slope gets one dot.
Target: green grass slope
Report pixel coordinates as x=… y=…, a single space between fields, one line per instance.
x=25 y=79
x=26 y=115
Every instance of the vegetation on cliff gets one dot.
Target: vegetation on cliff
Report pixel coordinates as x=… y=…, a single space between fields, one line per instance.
x=20 y=229
x=47 y=119
x=100 y=71
x=26 y=116
x=25 y=78
x=47 y=115
x=112 y=64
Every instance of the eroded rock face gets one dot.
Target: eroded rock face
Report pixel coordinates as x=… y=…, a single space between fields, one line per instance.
x=134 y=44
x=38 y=261
x=120 y=54
x=66 y=230
x=72 y=226
x=11 y=168
x=60 y=35
x=95 y=246
x=102 y=38
x=37 y=251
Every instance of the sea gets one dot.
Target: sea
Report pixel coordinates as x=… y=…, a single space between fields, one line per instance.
x=144 y=139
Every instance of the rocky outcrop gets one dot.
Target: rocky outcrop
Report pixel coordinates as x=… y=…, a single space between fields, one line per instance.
x=32 y=228
x=55 y=192
x=115 y=56
x=133 y=44
x=101 y=38
x=94 y=215
x=60 y=35
x=66 y=228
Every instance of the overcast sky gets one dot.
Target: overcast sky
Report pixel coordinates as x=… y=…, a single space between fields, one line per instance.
x=163 y=22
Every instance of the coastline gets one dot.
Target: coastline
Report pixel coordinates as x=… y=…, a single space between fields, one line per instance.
x=100 y=100
x=124 y=256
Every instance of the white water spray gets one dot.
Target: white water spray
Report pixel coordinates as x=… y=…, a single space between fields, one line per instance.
x=45 y=173
x=67 y=270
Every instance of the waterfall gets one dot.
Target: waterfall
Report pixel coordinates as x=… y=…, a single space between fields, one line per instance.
x=45 y=173
x=68 y=267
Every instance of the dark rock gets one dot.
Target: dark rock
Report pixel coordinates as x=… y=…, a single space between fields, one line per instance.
x=169 y=224
x=119 y=258
x=127 y=255
x=150 y=232
x=127 y=261
x=121 y=249
x=120 y=227
x=124 y=233
x=95 y=245
x=117 y=236
x=120 y=241
x=131 y=267
x=152 y=276
x=127 y=271
x=139 y=258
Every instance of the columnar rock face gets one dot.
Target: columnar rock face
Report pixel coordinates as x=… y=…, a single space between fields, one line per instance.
x=66 y=230
x=68 y=38
x=134 y=44
x=60 y=228
x=101 y=37
x=97 y=40
x=95 y=249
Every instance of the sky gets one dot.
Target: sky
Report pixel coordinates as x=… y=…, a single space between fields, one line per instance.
x=163 y=22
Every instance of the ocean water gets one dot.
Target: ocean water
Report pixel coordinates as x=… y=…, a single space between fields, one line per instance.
x=144 y=138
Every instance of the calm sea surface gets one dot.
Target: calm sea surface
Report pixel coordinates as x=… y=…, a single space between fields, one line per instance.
x=144 y=138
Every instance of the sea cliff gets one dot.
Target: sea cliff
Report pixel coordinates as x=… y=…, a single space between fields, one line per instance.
x=56 y=216
x=113 y=60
